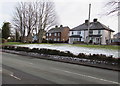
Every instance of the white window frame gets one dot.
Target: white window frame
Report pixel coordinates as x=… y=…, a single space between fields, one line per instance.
x=49 y=34
x=58 y=34
x=55 y=39
x=76 y=39
x=55 y=34
x=79 y=32
x=58 y=39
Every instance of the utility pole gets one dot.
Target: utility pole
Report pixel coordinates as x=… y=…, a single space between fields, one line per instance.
x=119 y=16
x=89 y=22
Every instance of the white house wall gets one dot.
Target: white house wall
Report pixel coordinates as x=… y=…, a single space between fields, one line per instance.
x=106 y=35
x=82 y=34
x=85 y=35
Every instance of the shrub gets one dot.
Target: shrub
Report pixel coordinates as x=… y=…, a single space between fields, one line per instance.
x=22 y=49
x=11 y=40
x=82 y=55
x=34 y=50
x=50 y=41
x=4 y=40
x=99 y=57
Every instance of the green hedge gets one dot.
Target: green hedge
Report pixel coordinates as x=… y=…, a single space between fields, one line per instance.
x=99 y=57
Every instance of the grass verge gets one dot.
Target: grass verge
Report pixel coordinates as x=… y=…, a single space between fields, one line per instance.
x=114 y=47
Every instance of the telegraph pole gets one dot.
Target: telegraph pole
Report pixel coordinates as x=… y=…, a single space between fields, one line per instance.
x=89 y=22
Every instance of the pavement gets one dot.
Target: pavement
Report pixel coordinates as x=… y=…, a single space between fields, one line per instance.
x=19 y=69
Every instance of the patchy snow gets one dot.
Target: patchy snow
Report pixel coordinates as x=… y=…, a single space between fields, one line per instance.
x=74 y=49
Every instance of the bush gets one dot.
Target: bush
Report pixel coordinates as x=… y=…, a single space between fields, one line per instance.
x=79 y=42
x=4 y=40
x=82 y=55
x=50 y=41
x=11 y=40
x=26 y=49
x=98 y=57
x=35 y=50
x=44 y=41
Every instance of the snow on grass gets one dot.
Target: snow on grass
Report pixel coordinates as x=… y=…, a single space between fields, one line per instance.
x=74 y=49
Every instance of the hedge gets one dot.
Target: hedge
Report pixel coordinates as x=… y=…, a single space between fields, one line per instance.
x=99 y=57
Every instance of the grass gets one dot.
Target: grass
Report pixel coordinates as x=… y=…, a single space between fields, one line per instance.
x=114 y=47
x=78 y=45
x=11 y=43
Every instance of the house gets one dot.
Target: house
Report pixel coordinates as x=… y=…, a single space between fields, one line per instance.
x=98 y=33
x=35 y=36
x=116 y=39
x=58 y=34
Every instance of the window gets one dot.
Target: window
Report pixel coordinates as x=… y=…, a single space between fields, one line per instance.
x=58 y=39
x=58 y=34
x=55 y=34
x=49 y=34
x=79 y=32
x=72 y=32
x=76 y=39
x=91 y=32
x=99 y=31
x=55 y=39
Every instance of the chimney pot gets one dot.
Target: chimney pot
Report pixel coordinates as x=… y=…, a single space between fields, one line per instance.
x=86 y=21
x=61 y=25
x=56 y=26
x=95 y=20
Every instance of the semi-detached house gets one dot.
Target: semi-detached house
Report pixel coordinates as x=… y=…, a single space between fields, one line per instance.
x=98 y=33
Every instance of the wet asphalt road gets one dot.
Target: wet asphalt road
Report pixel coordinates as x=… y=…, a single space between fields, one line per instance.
x=28 y=70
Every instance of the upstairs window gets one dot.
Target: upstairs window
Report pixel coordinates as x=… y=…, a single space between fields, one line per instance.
x=55 y=34
x=58 y=34
x=99 y=31
x=91 y=32
x=49 y=34
x=72 y=32
x=79 y=32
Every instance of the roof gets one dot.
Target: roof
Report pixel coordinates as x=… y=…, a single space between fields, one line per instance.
x=118 y=34
x=58 y=29
x=93 y=26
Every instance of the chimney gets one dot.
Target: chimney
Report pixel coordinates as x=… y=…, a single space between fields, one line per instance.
x=95 y=20
x=61 y=25
x=86 y=21
x=56 y=26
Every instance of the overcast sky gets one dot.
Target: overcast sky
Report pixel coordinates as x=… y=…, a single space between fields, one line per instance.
x=70 y=12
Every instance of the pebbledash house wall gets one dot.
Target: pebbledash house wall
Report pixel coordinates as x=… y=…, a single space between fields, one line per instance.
x=105 y=35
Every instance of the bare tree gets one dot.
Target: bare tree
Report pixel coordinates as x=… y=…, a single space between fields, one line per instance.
x=114 y=6
x=39 y=15
x=19 y=20
x=47 y=17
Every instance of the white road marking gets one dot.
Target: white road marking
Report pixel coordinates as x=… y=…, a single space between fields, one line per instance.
x=87 y=76
x=14 y=77
x=10 y=74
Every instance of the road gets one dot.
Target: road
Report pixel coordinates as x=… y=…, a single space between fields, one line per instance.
x=28 y=70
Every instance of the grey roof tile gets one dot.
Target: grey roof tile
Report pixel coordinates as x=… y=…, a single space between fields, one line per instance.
x=59 y=29
x=93 y=26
